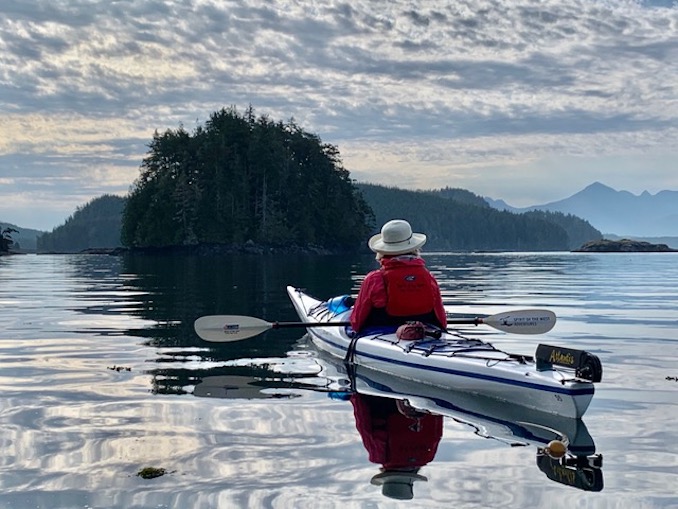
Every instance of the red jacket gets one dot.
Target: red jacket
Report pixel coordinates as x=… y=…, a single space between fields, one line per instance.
x=372 y=294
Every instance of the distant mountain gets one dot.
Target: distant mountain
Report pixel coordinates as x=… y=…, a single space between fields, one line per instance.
x=502 y=205
x=25 y=240
x=616 y=212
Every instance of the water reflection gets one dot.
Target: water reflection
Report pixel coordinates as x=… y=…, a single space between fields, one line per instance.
x=398 y=437
x=400 y=423
x=578 y=465
x=75 y=429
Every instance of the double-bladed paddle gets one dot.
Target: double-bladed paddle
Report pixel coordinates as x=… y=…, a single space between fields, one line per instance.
x=227 y=328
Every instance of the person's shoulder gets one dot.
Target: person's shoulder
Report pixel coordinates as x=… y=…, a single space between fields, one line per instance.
x=376 y=273
x=373 y=280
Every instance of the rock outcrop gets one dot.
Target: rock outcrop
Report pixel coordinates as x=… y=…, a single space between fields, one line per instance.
x=623 y=246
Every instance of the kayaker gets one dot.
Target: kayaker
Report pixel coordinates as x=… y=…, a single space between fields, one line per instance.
x=402 y=289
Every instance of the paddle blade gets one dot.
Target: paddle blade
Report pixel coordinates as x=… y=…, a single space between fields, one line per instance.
x=227 y=328
x=523 y=321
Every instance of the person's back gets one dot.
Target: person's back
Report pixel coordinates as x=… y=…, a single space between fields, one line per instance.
x=402 y=289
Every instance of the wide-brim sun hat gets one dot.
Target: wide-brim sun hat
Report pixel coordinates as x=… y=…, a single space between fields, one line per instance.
x=397 y=485
x=396 y=238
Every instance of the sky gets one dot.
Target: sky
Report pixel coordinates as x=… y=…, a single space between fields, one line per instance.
x=528 y=101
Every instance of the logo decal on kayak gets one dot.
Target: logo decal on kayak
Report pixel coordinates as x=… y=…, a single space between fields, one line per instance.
x=231 y=328
x=563 y=359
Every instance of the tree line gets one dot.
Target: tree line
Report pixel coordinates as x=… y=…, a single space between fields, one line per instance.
x=458 y=220
x=453 y=219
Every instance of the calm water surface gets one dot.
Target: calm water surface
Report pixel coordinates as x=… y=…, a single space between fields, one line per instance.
x=101 y=374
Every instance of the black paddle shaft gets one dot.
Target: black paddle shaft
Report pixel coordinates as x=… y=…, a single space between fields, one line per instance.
x=285 y=325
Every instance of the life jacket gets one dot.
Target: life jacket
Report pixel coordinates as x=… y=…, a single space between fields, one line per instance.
x=408 y=290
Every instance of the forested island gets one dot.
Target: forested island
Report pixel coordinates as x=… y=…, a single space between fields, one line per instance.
x=244 y=179
x=242 y=182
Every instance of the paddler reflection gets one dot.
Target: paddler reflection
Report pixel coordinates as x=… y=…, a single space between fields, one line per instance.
x=399 y=438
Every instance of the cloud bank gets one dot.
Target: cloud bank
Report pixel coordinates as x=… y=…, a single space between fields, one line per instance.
x=521 y=100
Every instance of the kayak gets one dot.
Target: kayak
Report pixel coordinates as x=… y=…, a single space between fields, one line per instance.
x=556 y=380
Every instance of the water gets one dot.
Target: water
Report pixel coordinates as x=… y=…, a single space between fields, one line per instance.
x=102 y=375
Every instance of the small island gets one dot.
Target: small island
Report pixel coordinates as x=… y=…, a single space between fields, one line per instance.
x=623 y=246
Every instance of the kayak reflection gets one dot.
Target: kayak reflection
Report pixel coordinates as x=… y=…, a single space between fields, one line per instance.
x=400 y=422
x=399 y=437
x=565 y=450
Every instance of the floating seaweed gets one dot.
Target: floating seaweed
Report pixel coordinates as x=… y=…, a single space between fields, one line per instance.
x=119 y=368
x=151 y=472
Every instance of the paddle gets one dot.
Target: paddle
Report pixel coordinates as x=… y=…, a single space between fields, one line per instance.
x=227 y=328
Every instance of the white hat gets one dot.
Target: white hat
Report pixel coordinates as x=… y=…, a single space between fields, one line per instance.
x=396 y=484
x=396 y=238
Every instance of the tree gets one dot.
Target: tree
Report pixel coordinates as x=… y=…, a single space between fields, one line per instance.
x=6 y=241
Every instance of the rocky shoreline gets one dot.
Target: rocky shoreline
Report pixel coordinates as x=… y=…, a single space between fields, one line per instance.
x=623 y=246
x=594 y=246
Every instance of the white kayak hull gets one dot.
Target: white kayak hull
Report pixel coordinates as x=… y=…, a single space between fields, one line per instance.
x=452 y=361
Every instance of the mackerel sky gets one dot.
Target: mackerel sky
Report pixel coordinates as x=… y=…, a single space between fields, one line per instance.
x=529 y=101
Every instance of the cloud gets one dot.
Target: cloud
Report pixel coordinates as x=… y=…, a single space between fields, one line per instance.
x=481 y=83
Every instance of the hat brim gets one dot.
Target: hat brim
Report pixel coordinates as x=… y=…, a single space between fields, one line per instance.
x=377 y=244
x=397 y=484
x=396 y=477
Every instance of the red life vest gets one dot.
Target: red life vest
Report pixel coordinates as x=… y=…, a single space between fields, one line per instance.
x=408 y=290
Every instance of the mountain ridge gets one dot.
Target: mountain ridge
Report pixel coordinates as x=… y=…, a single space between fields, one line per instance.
x=614 y=212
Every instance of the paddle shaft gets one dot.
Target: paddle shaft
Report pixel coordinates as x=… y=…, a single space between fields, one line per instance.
x=286 y=325
x=290 y=325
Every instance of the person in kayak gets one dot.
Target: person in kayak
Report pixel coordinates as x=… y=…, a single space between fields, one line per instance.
x=402 y=289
